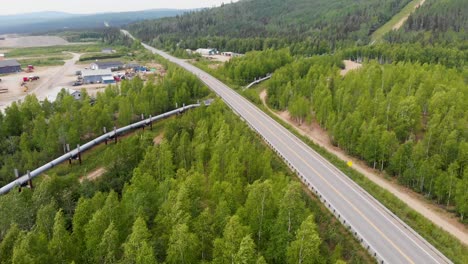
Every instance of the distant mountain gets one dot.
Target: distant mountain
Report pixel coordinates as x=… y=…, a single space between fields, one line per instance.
x=48 y=21
x=34 y=17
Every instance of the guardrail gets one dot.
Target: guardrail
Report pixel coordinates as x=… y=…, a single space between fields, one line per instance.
x=76 y=152
x=321 y=197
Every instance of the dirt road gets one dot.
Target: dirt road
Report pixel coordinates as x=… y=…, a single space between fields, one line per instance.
x=417 y=202
x=349 y=66
x=44 y=90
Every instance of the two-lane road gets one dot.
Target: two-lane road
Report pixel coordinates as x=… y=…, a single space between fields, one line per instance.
x=387 y=238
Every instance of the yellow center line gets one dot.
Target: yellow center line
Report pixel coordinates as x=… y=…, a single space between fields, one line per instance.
x=330 y=185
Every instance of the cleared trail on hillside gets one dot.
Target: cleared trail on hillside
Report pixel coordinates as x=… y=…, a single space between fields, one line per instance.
x=397 y=21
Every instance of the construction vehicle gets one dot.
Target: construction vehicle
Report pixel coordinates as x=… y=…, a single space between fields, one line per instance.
x=30 y=68
x=31 y=78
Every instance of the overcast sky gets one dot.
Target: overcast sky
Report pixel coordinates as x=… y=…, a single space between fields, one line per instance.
x=100 y=6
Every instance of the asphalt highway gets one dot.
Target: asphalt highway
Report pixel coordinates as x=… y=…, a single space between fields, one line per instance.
x=382 y=233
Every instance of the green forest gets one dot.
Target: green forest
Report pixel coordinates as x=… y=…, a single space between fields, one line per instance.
x=210 y=192
x=247 y=25
x=33 y=132
x=407 y=119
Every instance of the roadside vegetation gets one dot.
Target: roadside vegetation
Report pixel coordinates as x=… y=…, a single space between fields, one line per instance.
x=294 y=87
x=406 y=119
x=198 y=192
x=440 y=239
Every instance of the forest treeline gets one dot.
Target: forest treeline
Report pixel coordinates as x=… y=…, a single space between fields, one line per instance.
x=338 y=22
x=210 y=192
x=33 y=132
x=408 y=52
x=435 y=22
x=408 y=119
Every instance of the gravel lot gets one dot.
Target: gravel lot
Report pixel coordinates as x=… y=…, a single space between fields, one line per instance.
x=31 y=41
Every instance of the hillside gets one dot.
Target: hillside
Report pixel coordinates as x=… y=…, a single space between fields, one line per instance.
x=41 y=22
x=444 y=22
x=336 y=21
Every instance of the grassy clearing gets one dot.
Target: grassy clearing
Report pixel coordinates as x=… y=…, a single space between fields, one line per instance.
x=41 y=51
x=387 y=27
x=100 y=56
x=46 y=61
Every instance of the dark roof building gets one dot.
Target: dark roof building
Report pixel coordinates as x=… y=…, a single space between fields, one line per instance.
x=102 y=65
x=9 y=66
x=95 y=76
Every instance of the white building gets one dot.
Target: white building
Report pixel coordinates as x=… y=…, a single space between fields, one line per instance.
x=95 y=76
x=102 y=65
x=75 y=94
x=207 y=52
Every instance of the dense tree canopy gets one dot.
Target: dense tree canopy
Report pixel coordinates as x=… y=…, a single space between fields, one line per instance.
x=337 y=22
x=219 y=203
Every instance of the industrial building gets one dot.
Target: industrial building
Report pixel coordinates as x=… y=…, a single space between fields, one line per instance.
x=9 y=66
x=231 y=54
x=108 y=80
x=102 y=65
x=96 y=76
x=207 y=52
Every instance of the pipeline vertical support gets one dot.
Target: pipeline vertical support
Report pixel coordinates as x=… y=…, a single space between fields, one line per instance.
x=30 y=181
x=69 y=159
x=17 y=176
x=143 y=118
x=115 y=135
x=104 y=129
x=151 y=123
x=79 y=153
